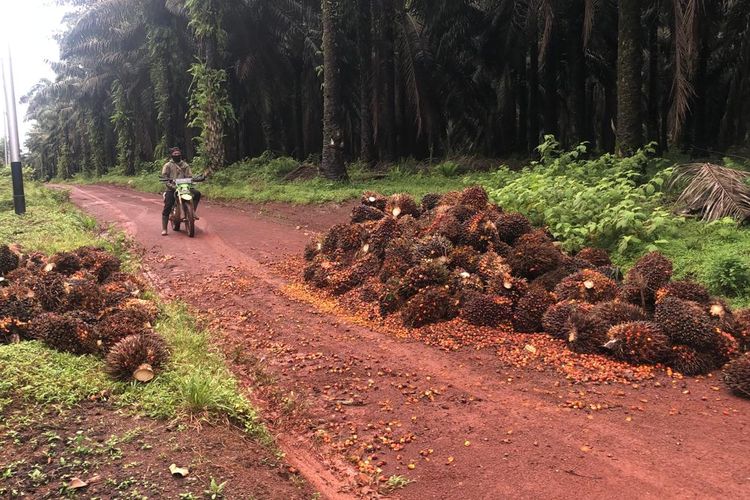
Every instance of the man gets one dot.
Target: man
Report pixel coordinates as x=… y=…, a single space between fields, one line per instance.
x=175 y=168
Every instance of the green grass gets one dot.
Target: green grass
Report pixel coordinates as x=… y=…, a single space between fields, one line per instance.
x=260 y=180
x=196 y=381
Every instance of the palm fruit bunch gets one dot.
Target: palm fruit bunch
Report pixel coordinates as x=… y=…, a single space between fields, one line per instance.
x=429 y=305
x=737 y=375
x=8 y=260
x=65 y=263
x=400 y=205
x=457 y=254
x=98 y=261
x=82 y=291
x=587 y=286
x=527 y=316
x=649 y=274
x=638 y=342
x=685 y=322
x=137 y=357
x=511 y=226
x=481 y=309
x=557 y=315
x=597 y=257
x=18 y=307
x=63 y=332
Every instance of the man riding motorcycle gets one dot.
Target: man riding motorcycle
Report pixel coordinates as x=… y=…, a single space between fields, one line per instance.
x=175 y=168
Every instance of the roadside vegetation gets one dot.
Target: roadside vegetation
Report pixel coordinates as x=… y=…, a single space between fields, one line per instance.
x=196 y=381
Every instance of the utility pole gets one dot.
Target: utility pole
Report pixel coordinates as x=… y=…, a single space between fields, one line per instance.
x=19 y=200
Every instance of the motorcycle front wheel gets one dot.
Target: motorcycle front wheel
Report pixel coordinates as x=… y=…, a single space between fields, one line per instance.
x=175 y=219
x=187 y=207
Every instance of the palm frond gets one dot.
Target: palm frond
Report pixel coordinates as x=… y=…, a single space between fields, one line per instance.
x=713 y=191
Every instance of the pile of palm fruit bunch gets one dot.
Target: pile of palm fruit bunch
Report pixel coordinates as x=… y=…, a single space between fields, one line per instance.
x=457 y=255
x=80 y=302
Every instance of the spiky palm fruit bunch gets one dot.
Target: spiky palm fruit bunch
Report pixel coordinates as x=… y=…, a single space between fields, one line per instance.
x=481 y=232
x=638 y=342
x=527 y=316
x=611 y=272
x=596 y=256
x=585 y=333
x=726 y=347
x=82 y=291
x=511 y=226
x=742 y=332
x=450 y=199
x=448 y=225
x=462 y=279
x=474 y=197
x=685 y=290
x=409 y=227
x=389 y=300
x=637 y=294
x=613 y=313
x=650 y=272
x=509 y=287
x=66 y=262
x=369 y=293
x=492 y=266
x=399 y=205
x=380 y=234
x=481 y=309
x=533 y=255
x=587 y=286
x=551 y=279
x=118 y=324
x=737 y=375
x=375 y=200
x=98 y=261
x=465 y=257
x=399 y=258
x=312 y=249
x=62 y=332
x=317 y=272
x=689 y=361
x=348 y=278
x=556 y=316
x=433 y=247
x=501 y=248
x=33 y=261
x=50 y=289
x=721 y=315
x=685 y=323
x=364 y=213
x=430 y=201
x=343 y=239
x=18 y=306
x=431 y=305
x=8 y=260
x=133 y=351
x=425 y=274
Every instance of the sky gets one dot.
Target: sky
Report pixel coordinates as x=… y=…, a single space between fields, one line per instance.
x=29 y=26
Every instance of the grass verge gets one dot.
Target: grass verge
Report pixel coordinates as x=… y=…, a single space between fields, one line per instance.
x=196 y=380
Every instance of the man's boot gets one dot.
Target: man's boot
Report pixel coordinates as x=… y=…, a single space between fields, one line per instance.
x=164 y=223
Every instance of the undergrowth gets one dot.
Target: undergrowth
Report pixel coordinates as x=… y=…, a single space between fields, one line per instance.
x=195 y=382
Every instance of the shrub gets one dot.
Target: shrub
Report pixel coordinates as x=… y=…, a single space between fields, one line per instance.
x=730 y=275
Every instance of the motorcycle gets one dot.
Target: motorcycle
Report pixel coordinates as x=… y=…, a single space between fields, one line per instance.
x=183 y=210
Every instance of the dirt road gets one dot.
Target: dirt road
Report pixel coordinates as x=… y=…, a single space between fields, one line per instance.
x=343 y=398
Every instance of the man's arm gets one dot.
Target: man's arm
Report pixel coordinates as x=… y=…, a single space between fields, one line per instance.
x=165 y=170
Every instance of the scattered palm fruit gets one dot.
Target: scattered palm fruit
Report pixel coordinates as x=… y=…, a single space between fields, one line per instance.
x=527 y=316
x=485 y=310
x=133 y=352
x=586 y=286
x=638 y=342
x=737 y=375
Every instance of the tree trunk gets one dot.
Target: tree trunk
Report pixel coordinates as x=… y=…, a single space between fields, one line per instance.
x=653 y=78
x=387 y=133
x=629 y=63
x=699 y=109
x=364 y=49
x=332 y=165
x=533 y=102
x=550 y=87
x=577 y=63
